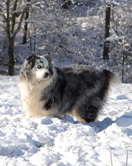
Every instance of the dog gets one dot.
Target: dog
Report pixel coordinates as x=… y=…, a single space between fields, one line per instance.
x=77 y=90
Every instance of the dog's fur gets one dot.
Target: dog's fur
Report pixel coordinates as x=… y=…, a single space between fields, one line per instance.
x=77 y=90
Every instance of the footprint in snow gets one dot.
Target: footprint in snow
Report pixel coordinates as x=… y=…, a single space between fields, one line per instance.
x=124 y=121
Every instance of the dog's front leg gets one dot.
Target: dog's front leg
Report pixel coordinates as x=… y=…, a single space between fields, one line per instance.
x=49 y=104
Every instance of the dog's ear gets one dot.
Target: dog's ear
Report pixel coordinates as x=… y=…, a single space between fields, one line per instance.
x=31 y=57
x=30 y=61
x=47 y=56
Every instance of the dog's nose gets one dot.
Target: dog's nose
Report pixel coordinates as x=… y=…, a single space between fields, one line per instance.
x=46 y=75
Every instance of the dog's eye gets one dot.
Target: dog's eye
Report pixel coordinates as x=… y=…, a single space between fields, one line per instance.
x=39 y=66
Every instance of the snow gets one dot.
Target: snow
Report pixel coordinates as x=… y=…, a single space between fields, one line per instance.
x=42 y=141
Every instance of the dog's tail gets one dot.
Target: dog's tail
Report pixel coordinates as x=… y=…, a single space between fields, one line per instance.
x=111 y=77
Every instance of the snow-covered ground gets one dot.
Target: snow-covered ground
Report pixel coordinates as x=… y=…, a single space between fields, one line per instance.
x=42 y=141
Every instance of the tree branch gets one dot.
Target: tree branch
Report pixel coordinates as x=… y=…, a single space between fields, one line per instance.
x=8 y=18
x=20 y=22
x=2 y=13
x=13 y=16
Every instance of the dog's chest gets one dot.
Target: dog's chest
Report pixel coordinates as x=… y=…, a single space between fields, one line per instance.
x=28 y=92
x=30 y=96
x=32 y=103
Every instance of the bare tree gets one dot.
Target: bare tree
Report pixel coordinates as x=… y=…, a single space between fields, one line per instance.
x=26 y=23
x=13 y=13
x=107 y=32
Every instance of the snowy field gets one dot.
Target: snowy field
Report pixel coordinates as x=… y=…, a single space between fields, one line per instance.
x=44 y=141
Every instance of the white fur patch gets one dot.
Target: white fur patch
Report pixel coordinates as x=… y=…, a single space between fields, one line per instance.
x=40 y=74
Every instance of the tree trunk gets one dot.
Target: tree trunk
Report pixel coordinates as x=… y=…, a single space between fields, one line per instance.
x=25 y=28
x=107 y=33
x=11 y=56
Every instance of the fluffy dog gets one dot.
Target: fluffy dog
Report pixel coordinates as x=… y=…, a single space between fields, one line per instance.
x=77 y=90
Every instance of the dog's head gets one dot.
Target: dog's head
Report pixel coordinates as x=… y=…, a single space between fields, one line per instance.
x=40 y=67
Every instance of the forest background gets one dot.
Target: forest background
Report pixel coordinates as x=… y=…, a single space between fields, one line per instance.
x=97 y=33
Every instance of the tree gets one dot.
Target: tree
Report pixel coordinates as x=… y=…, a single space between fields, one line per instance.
x=12 y=13
x=120 y=39
x=107 y=32
x=26 y=24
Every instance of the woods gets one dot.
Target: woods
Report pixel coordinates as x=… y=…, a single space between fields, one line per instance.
x=84 y=32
